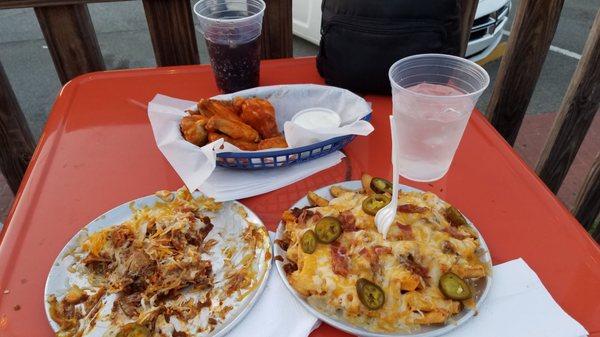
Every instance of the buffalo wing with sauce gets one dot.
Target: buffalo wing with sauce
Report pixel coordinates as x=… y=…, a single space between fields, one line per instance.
x=248 y=123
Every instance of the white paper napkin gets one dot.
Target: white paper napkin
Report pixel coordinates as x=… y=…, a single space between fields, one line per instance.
x=197 y=165
x=226 y=184
x=519 y=305
x=276 y=314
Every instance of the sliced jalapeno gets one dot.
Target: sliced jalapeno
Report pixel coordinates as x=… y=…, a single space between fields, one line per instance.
x=134 y=330
x=454 y=287
x=374 y=203
x=308 y=242
x=370 y=294
x=328 y=229
x=380 y=185
x=454 y=217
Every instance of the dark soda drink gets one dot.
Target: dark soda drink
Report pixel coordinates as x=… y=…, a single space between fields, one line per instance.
x=236 y=66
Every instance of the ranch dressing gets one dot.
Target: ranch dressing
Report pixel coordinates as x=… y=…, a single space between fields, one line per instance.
x=317 y=118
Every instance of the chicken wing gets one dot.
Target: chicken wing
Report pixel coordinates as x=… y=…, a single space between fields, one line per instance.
x=237 y=104
x=192 y=128
x=224 y=109
x=274 y=142
x=260 y=114
x=233 y=129
x=242 y=145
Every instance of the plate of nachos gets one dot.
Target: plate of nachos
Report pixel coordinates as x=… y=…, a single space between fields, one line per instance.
x=172 y=264
x=428 y=276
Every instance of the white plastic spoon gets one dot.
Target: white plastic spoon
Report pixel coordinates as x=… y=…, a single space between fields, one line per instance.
x=385 y=216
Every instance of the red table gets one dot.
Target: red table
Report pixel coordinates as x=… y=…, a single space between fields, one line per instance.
x=97 y=151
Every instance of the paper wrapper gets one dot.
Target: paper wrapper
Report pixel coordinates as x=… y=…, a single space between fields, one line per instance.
x=196 y=164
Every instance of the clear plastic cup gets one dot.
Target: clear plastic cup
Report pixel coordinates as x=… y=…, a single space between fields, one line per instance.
x=231 y=29
x=433 y=96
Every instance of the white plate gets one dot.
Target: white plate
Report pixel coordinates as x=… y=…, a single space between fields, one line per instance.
x=227 y=222
x=482 y=289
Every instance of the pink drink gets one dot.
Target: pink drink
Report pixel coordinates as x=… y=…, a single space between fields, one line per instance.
x=429 y=129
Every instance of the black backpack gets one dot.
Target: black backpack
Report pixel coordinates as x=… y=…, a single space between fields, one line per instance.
x=361 y=39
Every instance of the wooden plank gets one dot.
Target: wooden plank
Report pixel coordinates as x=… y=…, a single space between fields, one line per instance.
x=16 y=141
x=8 y=4
x=276 y=39
x=531 y=33
x=71 y=39
x=587 y=206
x=171 y=29
x=467 y=15
x=577 y=110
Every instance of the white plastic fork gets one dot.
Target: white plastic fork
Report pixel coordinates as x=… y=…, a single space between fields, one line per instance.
x=385 y=216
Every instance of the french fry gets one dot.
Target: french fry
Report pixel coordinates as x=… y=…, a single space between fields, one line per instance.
x=336 y=191
x=366 y=183
x=316 y=200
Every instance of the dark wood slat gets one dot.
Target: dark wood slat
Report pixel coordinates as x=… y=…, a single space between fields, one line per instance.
x=587 y=206
x=7 y=4
x=531 y=33
x=16 y=141
x=578 y=108
x=276 y=39
x=467 y=14
x=171 y=29
x=71 y=39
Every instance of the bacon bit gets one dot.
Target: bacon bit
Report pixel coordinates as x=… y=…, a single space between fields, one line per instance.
x=206 y=304
x=316 y=217
x=212 y=321
x=279 y=258
x=455 y=233
x=290 y=267
x=179 y=334
x=413 y=266
x=283 y=243
x=348 y=221
x=372 y=258
x=297 y=211
x=447 y=248
x=380 y=250
x=17 y=307
x=410 y=208
x=406 y=232
x=339 y=260
x=304 y=216
x=209 y=226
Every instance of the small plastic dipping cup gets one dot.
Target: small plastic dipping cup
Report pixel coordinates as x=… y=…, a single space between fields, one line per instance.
x=433 y=96
x=232 y=29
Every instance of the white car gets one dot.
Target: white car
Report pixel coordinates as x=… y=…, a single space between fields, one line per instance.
x=490 y=19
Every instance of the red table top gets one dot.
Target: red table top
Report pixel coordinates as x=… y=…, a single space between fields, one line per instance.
x=98 y=151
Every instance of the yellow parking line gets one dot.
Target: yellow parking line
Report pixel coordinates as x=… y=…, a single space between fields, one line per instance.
x=494 y=55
